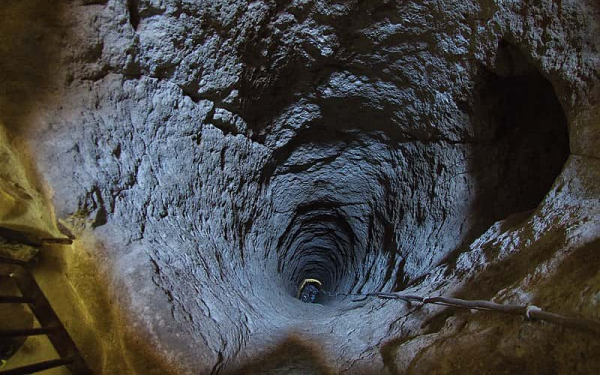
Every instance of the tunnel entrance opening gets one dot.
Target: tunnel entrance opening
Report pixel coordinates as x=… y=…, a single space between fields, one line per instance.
x=318 y=250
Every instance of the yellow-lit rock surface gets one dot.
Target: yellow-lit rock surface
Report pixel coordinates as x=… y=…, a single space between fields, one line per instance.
x=23 y=205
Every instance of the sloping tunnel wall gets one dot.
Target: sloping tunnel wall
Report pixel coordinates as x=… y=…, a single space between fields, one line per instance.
x=209 y=156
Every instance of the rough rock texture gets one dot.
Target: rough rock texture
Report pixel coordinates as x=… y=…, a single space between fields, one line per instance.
x=210 y=155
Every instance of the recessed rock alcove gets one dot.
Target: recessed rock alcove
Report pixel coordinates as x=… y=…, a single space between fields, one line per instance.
x=209 y=157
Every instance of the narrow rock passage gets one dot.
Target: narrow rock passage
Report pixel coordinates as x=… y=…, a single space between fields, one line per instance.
x=210 y=156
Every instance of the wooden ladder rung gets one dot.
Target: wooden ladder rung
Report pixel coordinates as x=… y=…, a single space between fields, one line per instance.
x=28 y=332
x=37 y=367
x=16 y=299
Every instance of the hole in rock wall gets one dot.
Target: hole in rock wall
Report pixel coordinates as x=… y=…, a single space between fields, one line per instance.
x=518 y=112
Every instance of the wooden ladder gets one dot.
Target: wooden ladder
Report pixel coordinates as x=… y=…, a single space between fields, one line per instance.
x=50 y=325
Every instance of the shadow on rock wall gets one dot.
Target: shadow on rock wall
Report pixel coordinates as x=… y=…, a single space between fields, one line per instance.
x=28 y=51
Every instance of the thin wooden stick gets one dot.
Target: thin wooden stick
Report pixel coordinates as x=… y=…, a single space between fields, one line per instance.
x=531 y=312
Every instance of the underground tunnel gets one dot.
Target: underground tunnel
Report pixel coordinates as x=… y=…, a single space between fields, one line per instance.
x=220 y=187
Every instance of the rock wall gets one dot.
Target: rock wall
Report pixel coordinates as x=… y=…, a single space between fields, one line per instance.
x=208 y=156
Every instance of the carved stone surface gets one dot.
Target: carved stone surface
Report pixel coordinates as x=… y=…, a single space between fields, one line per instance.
x=210 y=155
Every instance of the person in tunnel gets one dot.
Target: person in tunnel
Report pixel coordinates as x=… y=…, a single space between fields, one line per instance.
x=308 y=290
